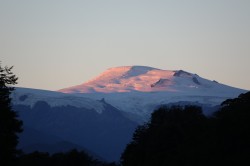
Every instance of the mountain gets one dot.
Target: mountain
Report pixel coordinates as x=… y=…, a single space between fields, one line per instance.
x=148 y=79
x=101 y=115
x=145 y=88
x=57 y=122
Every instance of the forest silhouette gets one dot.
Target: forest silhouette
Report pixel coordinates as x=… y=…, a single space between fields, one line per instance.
x=183 y=136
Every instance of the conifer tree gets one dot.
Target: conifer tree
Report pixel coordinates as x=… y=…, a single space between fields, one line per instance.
x=9 y=124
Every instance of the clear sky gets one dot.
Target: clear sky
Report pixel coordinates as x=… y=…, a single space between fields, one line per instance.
x=59 y=43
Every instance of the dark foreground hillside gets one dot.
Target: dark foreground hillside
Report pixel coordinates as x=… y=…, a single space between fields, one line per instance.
x=61 y=128
x=183 y=136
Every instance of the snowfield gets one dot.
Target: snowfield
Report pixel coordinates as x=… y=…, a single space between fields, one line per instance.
x=133 y=89
x=140 y=89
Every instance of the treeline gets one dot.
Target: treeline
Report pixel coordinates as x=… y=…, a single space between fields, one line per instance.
x=71 y=158
x=183 y=136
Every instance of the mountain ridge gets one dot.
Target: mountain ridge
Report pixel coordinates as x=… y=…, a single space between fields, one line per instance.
x=102 y=113
x=144 y=79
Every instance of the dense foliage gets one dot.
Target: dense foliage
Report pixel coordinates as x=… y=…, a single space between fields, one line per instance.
x=180 y=136
x=71 y=158
x=9 y=124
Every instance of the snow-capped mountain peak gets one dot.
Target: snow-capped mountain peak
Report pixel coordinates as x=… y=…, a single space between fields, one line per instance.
x=122 y=72
x=146 y=79
x=122 y=79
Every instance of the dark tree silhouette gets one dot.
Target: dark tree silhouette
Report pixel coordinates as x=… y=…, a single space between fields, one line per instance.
x=9 y=124
x=70 y=158
x=180 y=136
x=170 y=138
x=233 y=131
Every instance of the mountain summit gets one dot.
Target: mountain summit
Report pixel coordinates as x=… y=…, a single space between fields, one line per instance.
x=146 y=79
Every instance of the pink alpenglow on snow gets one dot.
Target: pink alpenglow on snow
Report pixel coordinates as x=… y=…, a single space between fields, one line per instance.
x=146 y=79
x=126 y=79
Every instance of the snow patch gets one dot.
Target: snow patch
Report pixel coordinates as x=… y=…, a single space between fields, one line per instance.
x=30 y=97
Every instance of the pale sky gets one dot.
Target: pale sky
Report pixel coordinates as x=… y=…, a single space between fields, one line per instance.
x=55 y=44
